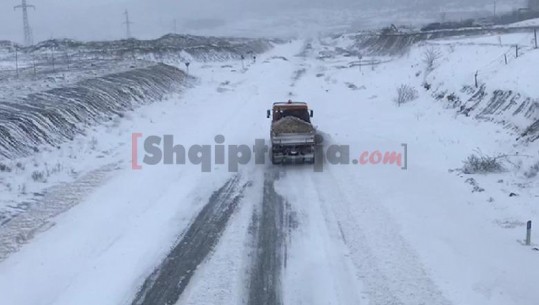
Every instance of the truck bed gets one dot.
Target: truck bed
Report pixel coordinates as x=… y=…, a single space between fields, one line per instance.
x=293 y=138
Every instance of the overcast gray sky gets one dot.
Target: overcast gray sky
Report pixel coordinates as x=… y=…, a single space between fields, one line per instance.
x=102 y=19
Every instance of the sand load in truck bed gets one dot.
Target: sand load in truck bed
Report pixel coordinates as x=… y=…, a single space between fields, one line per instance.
x=291 y=125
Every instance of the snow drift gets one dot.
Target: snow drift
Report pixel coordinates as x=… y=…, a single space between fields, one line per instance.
x=57 y=115
x=503 y=106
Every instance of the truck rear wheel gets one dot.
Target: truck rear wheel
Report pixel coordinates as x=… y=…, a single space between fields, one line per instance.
x=274 y=159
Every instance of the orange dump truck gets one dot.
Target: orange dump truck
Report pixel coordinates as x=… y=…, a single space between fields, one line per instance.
x=292 y=133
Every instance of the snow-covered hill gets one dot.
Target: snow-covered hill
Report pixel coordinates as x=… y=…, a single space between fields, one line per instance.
x=59 y=62
x=54 y=116
x=181 y=47
x=51 y=99
x=505 y=91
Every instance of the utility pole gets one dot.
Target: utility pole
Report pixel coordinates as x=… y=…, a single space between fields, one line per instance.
x=529 y=233
x=127 y=25
x=28 y=40
x=535 y=37
x=494 y=9
x=34 y=63
x=175 y=26
x=66 y=54
x=17 y=60
x=52 y=58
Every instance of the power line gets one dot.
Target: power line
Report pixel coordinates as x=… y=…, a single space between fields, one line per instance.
x=28 y=39
x=127 y=25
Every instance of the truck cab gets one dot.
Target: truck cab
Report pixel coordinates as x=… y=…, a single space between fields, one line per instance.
x=295 y=109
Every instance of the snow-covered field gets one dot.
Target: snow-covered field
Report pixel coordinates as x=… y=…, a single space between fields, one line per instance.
x=530 y=22
x=351 y=234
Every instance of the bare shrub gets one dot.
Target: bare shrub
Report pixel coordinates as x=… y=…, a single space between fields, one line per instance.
x=39 y=176
x=430 y=56
x=20 y=165
x=22 y=189
x=482 y=164
x=4 y=168
x=405 y=94
x=93 y=143
x=475 y=185
x=533 y=171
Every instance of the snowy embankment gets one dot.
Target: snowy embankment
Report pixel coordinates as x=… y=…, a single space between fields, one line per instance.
x=54 y=116
x=60 y=62
x=486 y=77
x=491 y=79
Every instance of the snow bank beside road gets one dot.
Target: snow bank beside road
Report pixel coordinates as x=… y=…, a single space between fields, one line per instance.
x=505 y=91
x=484 y=75
x=57 y=115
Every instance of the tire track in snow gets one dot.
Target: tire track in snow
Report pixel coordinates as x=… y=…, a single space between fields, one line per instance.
x=389 y=268
x=319 y=270
x=171 y=277
x=269 y=229
x=19 y=230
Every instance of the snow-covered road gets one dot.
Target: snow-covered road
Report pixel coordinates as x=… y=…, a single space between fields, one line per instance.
x=352 y=234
